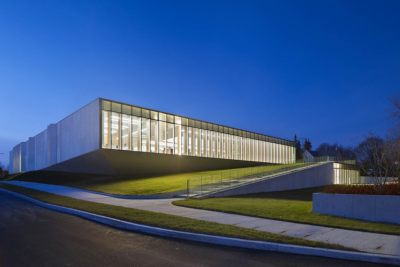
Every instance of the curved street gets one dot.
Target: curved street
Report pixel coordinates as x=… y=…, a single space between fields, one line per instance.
x=33 y=236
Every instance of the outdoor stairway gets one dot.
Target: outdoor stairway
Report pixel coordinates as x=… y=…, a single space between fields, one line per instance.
x=208 y=188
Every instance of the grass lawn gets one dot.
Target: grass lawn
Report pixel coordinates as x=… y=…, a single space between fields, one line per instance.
x=167 y=221
x=10 y=176
x=292 y=205
x=128 y=184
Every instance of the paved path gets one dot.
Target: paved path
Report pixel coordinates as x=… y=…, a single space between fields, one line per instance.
x=34 y=236
x=368 y=242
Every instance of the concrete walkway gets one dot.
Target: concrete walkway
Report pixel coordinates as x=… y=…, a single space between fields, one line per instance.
x=367 y=242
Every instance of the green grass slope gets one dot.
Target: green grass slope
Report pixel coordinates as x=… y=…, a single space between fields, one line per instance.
x=145 y=184
x=291 y=205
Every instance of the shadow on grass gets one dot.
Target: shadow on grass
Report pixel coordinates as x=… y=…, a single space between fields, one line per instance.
x=70 y=178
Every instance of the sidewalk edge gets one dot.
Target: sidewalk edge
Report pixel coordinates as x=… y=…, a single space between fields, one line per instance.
x=219 y=240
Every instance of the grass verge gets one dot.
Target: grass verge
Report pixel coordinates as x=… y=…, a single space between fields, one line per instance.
x=11 y=176
x=147 y=184
x=167 y=221
x=291 y=205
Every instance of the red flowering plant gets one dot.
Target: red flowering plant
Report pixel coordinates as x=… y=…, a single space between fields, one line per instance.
x=387 y=189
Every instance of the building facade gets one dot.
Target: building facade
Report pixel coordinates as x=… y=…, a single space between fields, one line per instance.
x=127 y=137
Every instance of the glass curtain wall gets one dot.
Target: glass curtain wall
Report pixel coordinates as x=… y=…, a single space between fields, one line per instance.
x=136 y=129
x=115 y=130
x=126 y=132
x=106 y=137
x=136 y=125
x=346 y=173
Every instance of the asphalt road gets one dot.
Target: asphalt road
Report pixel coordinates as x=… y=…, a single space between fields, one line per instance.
x=34 y=236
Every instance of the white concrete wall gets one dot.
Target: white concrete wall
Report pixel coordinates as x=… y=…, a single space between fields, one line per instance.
x=52 y=137
x=374 y=208
x=23 y=157
x=312 y=177
x=30 y=151
x=11 y=162
x=40 y=150
x=77 y=134
x=17 y=158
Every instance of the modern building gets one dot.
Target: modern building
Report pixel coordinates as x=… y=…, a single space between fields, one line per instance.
x=344 y=171
x=113 y=138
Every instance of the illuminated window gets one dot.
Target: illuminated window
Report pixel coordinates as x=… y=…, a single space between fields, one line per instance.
x=153 y=135
x=177 y=140
x=184 y=138
x=162 y=137
x=190 y=139
x=136 y=123
x=115 y=130
x=170 y=139
x=145 y=135
x=126 y=132
x=106 y=129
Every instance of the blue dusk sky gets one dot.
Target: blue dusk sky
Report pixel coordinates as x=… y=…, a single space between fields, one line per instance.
x=319 y=69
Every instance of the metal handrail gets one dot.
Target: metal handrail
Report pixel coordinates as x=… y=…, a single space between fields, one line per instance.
x=205 y=184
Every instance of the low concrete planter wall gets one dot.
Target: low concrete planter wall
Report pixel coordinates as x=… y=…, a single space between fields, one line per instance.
x=364 y=207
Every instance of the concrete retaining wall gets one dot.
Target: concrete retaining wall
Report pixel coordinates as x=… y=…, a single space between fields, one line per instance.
x=312 y=177
x=364 y=207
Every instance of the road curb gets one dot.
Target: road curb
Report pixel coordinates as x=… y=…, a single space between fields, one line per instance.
x=227 y=241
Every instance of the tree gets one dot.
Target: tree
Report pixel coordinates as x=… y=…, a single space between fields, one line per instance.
x=346 y=152
x=307 y=144
x=298 y=148
x=393 y=141
x=373 y=156
x=393 y=137
x=324 y=147
x=394 y=113
x=381 y=157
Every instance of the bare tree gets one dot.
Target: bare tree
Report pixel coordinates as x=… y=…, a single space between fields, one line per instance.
x=394 y=136
x=393 y=141
x=394 y=112
x=324 y=147
x=381 y=158
x=346 y=152
x=373 y=156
